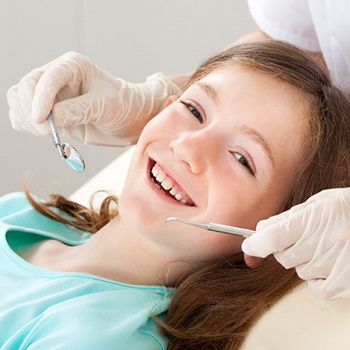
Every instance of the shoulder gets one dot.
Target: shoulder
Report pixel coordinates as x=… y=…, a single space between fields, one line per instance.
x=16 y=211
x=12 y=203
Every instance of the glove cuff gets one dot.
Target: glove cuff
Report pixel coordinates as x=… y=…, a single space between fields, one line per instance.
x=168 y=86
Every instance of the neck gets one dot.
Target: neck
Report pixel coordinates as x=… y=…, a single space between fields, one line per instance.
x=117 y=253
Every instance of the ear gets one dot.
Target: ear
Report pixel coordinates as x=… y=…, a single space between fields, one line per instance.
x=170 y=100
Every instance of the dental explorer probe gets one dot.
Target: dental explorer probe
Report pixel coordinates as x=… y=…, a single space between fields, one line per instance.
x=215 y=227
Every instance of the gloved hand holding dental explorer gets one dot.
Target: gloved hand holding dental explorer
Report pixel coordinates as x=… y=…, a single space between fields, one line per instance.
x=312 y=237
x=94 y=107
x=88 y=104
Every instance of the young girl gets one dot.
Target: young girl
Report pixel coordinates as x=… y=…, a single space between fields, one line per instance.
x=259 y=129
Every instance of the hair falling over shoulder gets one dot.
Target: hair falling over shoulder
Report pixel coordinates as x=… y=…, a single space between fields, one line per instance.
x=75 y=214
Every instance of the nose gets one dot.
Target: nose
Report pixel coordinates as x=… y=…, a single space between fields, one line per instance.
x=196 y=149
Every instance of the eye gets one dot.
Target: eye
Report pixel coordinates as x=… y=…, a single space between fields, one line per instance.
x=243 y=160
x=193 y=110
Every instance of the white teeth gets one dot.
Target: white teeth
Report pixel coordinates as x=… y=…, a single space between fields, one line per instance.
x=155 y=171
x=178 y=196
x=161 y=177
x=166 y=184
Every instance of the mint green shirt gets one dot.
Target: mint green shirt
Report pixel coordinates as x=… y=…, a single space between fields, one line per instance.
x=44 y=309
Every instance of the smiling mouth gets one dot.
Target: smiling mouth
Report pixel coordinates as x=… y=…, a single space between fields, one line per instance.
x=168 y=185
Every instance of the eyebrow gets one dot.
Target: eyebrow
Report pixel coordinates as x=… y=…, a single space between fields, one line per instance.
x=210 y=91
x=260 y=140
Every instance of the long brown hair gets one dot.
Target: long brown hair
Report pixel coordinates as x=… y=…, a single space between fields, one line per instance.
x=215 y=307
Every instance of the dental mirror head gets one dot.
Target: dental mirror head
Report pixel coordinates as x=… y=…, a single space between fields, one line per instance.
x=73 y=158
x=66 y=151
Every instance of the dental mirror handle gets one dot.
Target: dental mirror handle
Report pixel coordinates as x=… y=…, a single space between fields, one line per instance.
x=54 y=134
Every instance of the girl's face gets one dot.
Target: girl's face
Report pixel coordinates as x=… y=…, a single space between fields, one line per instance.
x=226 y=151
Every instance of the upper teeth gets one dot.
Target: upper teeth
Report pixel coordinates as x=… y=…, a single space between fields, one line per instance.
x=168 y=183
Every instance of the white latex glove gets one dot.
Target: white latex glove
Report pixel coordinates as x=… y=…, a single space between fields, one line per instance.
x=88 y=104
x=314 y=238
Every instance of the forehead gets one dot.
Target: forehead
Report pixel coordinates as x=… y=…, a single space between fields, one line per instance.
x=236 y=85
x=239 y=80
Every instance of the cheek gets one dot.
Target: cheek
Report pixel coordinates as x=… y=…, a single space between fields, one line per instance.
x=157 y=125
x=149 y=132
x=203 y=246
x=215 y=245
x=244 y=207
x=225 y=244
x=170 y=119
x=238 y=203
x=269 y=202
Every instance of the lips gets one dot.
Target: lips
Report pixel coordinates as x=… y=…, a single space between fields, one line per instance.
x=165 y=183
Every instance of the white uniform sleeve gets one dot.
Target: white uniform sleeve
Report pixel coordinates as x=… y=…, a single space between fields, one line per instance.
x=313 y=25
x=286 y=20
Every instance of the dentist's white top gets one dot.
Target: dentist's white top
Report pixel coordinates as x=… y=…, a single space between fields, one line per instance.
x=314 y=25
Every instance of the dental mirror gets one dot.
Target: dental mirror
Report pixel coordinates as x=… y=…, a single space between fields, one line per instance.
x=65 y=150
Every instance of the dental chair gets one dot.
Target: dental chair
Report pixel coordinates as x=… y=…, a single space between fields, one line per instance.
x=300 y=321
